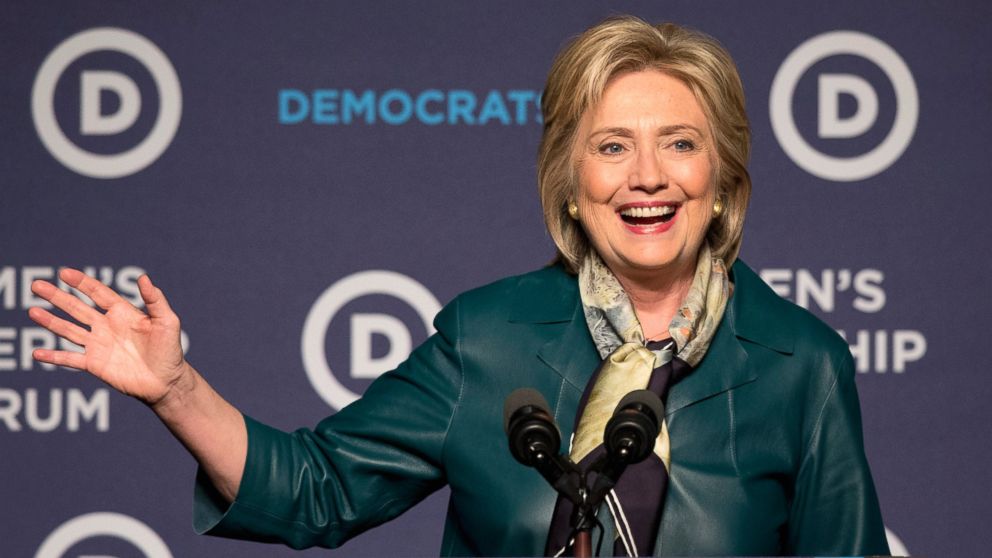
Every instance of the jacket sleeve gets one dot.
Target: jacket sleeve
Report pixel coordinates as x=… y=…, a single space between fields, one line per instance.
x=357 y=469
x=835 y=509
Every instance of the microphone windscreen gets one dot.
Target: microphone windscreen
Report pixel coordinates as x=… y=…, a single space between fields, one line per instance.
x=644 y=397
x=522 y=397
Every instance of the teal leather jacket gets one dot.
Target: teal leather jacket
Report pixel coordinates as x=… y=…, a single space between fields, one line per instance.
x=767 y=452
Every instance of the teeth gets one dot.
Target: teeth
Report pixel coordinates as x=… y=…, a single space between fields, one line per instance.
x=654 y=211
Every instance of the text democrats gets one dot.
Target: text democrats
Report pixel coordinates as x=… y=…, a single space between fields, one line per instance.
x=397 y=106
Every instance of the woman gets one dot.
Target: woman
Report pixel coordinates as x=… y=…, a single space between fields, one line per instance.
x=644 y=187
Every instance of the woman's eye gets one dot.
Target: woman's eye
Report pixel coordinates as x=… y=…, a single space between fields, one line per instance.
x=683 y=145
x=612 y=149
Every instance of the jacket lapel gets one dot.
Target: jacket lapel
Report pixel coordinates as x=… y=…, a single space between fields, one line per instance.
x=548 y=302
x=572 y=354
x=751 y=314
x=724 y=367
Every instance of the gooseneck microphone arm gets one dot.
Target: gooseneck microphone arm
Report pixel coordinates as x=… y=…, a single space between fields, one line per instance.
x=629 y=438
x=535 y=441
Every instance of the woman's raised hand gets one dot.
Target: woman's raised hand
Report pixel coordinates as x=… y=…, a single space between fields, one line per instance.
x=139 y=355
x=136 y=353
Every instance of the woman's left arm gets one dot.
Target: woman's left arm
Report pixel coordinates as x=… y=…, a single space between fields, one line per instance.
x=835 y=509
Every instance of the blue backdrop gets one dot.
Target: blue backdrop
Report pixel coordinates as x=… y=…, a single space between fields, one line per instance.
x=261 y=159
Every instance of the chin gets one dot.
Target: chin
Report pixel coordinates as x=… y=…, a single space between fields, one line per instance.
x=654 y=264
x=662 y=262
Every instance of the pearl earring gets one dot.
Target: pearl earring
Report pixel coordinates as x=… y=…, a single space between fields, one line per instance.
x=717 y=208
x=573 y=210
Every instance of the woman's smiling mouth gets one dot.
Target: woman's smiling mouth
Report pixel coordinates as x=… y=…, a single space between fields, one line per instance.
x=647 y=218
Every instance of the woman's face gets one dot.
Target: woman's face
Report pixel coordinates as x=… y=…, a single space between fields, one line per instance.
x=646 y=162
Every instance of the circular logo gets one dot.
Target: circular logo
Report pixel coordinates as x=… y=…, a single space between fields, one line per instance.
x=319 y=318
x=103 y=524
x=166 y=82
x=844 y=169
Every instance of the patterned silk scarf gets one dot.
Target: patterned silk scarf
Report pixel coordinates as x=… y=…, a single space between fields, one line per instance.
x=612 y=322
x=630 y=364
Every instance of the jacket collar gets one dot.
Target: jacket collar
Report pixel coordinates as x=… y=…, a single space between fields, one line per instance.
x=546 y=296
x=754 y=312
x=551 y=296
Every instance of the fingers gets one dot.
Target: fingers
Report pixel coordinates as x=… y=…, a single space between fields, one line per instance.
x=68 y=359
x=155 y=302
x=102 y=295
x=58 y=326
x=65 y=301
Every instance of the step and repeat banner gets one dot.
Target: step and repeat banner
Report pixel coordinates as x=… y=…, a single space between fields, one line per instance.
x=310 y=182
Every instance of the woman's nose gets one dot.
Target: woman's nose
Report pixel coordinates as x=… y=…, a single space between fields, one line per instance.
x=648 y=173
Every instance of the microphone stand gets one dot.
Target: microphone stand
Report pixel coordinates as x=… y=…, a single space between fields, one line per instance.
x=584 y=514
x=583 y=519
x=629 y=438
x=535 y=442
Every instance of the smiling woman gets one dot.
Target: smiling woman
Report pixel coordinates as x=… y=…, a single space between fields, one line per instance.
x=643 y=180
x=647 y=186
x=692 y=63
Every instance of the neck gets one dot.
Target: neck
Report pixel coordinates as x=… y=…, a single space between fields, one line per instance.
x=656 y=297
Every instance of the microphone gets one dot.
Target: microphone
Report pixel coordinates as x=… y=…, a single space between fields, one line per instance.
x=629 y=438
x=631 y=432
x=535 y=441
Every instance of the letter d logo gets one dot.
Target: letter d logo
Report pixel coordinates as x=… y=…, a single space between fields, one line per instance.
x=363 y=327
x=830 y=123
x=91 y=119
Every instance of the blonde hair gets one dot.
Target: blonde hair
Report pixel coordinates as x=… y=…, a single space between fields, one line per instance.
x=579 y=76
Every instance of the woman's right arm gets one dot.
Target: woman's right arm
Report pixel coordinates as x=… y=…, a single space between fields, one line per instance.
x=140 y=355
